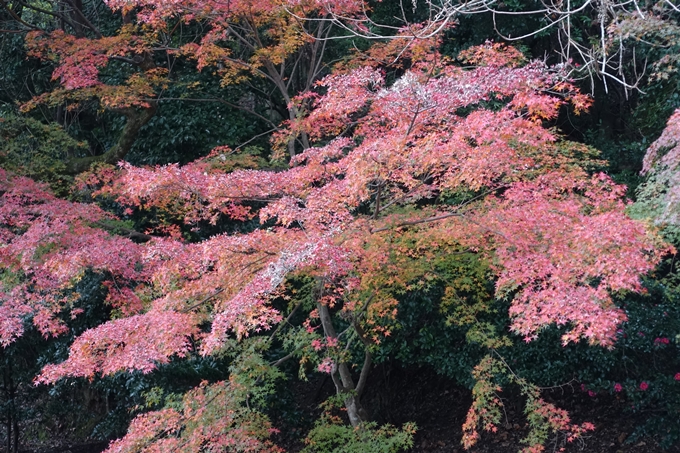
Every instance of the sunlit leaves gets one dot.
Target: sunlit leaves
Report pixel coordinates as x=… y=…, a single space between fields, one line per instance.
x=139 y=342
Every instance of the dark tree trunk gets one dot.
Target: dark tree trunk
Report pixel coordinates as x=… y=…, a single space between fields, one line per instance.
x=136 y=118
x=11 y=421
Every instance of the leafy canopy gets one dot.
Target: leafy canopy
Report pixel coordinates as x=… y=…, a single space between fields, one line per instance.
x=458 y=158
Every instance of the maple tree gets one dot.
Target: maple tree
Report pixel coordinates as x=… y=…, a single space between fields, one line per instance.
x=260 y=45
x=405 y=174
x=67 y=34
x=404 y=177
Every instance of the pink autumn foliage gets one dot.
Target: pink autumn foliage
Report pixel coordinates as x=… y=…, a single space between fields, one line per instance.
x=566 y=254
x=79 y=60
x=559 y=239
x=146 y=431
x=573 y=230
x=51 y=243
x=12 y=312
x=156 y=12
x=138 y=342
x=211 y=418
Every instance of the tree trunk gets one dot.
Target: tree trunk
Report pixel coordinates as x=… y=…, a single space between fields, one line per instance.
x=12 y=423
x=355 y=410
x=345 y=384
x=15 y=433
x=136 y=118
